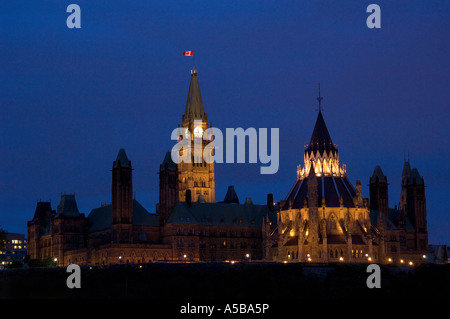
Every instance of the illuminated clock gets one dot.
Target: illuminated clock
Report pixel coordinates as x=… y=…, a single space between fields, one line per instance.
x=198 y=132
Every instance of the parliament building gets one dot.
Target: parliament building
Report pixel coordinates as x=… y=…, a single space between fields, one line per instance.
x=323 y=219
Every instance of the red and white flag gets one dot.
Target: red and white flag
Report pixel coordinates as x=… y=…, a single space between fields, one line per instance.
x=188 y=53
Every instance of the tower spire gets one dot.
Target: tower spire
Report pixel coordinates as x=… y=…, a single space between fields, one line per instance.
x=319 y=98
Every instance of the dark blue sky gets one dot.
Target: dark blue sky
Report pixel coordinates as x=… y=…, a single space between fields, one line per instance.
x=71 y=98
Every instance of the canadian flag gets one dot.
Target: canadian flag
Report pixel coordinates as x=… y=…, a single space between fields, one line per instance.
x=188 y=53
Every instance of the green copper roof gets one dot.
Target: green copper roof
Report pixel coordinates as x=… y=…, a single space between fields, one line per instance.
x=374 y=220
x=68 y=206
x=391 y=221
x=122 y=159
x=194 y=103
x=101 y=218
x=226 y=214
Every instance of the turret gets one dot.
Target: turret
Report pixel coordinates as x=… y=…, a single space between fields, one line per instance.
x=378 y=185
x=413 y=204
x=122 y=198
x=168 y=188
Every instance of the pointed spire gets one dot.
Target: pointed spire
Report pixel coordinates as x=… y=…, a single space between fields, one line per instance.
x=319 y=98
x=231 y=196
x=378 y=173
x=194 y=103
x=320 y=138
x=406 y=170
x=122 y=159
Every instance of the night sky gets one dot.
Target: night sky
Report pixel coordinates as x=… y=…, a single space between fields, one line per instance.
x=71 y=98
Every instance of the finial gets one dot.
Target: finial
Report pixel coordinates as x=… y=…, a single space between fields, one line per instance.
x=319 y=98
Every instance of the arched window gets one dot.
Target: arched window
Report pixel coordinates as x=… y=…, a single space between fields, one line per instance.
x=331 y=254
x=333 y=223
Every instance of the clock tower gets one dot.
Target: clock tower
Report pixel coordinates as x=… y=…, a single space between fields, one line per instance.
x=195 y=175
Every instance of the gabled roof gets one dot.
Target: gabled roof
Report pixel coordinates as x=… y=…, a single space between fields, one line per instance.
x=194 y=103
x=390 y=225
x=101 y=218
x=392 y=221
x=223 y=214
x=142 y=217
x=320 y=139
x=122 y=159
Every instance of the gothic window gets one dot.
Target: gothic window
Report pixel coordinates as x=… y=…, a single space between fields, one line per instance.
x=332 y=223
x=331 y=254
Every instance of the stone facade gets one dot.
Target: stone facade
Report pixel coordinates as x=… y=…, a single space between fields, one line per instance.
x=324 y=218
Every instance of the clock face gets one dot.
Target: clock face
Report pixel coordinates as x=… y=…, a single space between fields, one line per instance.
x=198 y=131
